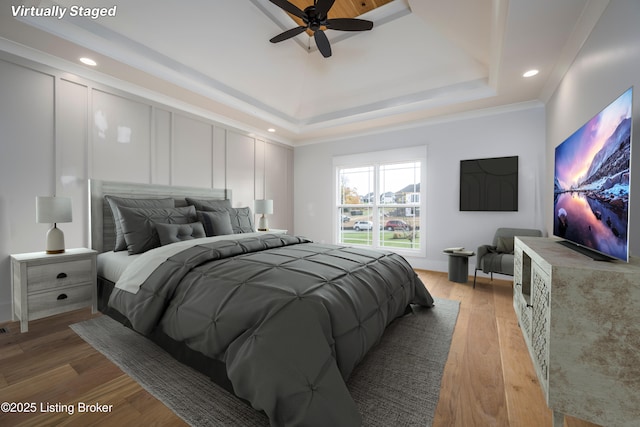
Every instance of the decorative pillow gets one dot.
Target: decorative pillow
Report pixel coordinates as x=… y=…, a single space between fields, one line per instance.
x=209 y=204
x=172 y=233
x=241 y=218
x=216 y=223
x=138 y=225
x=505 y=245
x=115 y=202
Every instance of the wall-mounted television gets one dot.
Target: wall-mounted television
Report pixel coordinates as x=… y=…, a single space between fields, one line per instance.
x=489 y=184
x=591 y=183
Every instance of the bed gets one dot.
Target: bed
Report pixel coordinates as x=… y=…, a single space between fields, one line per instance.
x=278 y=320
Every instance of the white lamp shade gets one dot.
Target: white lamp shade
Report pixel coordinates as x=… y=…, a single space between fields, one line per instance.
x=263 y=206
x=50 y=210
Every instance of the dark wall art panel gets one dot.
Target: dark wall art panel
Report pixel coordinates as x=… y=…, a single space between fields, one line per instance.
x=489 y=184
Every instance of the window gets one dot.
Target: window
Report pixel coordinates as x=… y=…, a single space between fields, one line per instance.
x=378 y=201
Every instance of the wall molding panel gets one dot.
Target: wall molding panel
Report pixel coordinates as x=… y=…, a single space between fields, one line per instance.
x=80 y=129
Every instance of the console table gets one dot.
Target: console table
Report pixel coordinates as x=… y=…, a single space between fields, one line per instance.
x=581 y=321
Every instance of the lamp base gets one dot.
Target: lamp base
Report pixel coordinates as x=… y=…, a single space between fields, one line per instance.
x=263 y=225
x=55 y=241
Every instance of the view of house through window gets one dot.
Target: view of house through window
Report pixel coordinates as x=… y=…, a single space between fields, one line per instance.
x=379 y=205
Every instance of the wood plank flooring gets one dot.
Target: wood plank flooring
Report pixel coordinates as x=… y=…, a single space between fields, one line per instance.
x=488 y=380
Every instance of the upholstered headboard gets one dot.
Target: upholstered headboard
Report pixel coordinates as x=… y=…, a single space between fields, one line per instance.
x=101 y=219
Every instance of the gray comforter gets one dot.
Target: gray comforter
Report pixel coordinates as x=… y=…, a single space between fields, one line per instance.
x=289 y=318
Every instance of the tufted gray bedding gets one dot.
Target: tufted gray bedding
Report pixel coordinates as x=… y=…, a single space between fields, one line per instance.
x=289 y=318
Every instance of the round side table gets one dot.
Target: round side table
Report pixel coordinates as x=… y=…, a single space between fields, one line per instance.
x=459 y=265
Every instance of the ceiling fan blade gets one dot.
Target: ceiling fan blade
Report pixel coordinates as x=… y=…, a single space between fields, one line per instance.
x=323 y=6
x=349 y=24
x=288 y=34
x=289 y=7
x=323 y=43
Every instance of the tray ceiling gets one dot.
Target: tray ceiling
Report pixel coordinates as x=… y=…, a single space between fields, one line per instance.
x=423 y=59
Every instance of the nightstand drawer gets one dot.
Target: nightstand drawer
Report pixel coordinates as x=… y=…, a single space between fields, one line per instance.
x=49 y=276
x=59 y=300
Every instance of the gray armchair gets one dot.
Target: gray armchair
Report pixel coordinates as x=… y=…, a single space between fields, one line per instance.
x=498 y=257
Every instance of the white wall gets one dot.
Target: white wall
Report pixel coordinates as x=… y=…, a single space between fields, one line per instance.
x=607 y=65
x=26 y=164
x=58 y=130
x=519 y=131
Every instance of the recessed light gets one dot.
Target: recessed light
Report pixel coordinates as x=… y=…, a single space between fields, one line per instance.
x=271 y=130
x=530 y=73
x=88 y=61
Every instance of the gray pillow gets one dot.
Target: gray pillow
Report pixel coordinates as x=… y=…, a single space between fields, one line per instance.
x=115 y=202
x=139 y=225
x=172 y=233
x=208 y=204
x=241 y=218
x=216 y=223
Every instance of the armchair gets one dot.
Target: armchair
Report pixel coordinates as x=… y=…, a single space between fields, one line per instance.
x=498 y=257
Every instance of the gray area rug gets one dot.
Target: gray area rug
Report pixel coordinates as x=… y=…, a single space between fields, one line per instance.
x=397 y=384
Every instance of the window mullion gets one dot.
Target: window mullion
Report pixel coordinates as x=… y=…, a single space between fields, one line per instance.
x=375 y=210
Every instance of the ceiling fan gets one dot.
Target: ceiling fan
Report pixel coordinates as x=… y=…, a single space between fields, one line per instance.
x=315 y=17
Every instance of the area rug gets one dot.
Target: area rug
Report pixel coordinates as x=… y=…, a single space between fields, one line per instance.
x=397 y=384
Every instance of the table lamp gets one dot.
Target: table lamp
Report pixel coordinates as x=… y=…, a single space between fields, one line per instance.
x=264 y=207
x=52 y=210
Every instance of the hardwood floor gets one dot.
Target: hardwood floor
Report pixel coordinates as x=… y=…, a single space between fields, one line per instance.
x=488 y=380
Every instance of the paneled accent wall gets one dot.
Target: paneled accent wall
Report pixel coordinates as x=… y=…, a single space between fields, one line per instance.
x=59 y=130
x=279 y=168
x=26 y=163
x=127 y=138
x=161 y=163
x=120 y=137
x=192 y=152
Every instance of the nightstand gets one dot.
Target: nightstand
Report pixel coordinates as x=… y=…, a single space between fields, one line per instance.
x=47 y=284
x=273 y=231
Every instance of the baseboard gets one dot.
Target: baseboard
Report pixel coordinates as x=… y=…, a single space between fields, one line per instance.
x=5 y=312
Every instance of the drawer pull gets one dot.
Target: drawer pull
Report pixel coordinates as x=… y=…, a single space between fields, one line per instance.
x=62 y=296
x=61 y=276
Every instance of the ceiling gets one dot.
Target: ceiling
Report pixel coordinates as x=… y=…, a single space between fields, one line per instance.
x=341 y=8
x=346 y=8
x=423 y=60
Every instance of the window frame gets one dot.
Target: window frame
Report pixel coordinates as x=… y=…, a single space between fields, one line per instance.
x=376 y=159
